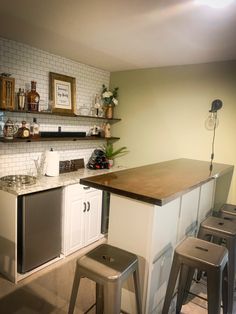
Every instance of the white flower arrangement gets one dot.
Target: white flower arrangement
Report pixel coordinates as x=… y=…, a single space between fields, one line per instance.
x=108 y=97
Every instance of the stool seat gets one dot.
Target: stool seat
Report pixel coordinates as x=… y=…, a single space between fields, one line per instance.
x=202 y=254
x=109 y=267
x=193 y=254
x=216 y=224
x=224 y=231
x=228 y=211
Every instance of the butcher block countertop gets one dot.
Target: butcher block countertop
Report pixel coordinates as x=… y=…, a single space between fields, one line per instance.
x=158 y=183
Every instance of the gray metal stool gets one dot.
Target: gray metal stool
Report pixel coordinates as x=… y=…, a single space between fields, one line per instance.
x=109 y=267
x=195 y=253
x=228 y=212
x=223 y=230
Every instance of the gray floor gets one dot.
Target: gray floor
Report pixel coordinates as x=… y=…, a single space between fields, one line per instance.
x=48 y=291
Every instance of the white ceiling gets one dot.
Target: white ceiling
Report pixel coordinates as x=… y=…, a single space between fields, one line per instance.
x=123 y=34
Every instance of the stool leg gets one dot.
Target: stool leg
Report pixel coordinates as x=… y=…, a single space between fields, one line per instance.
x=74 y=291
x=231 y=273
x=202 y=234
x=225 y=290
x=214 y=284
x=185 y=281
x=112 y=297
x=171 y=283
x=99 y=299
x=137 y=291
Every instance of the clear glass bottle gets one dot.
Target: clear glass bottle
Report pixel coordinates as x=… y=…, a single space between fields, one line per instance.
x=34 y=129
x=33 y=98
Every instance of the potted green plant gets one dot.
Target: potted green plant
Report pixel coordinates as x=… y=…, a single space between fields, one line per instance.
x=112 y=153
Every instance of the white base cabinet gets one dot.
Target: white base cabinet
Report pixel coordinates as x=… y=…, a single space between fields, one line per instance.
x=81 y=217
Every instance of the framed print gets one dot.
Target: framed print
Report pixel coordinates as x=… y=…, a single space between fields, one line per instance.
x=62 y=93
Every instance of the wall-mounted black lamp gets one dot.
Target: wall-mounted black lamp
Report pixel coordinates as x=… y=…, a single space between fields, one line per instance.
x=211 y=124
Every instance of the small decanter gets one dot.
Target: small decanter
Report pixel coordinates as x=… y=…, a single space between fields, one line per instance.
x=23 y=131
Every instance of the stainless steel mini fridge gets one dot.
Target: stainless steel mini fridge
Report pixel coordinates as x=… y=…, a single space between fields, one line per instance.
x=39 y=228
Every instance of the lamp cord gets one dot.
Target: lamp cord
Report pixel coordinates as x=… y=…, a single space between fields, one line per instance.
x=213 y=142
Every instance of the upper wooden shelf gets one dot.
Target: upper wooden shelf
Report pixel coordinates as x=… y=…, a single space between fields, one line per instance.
x=62 y=114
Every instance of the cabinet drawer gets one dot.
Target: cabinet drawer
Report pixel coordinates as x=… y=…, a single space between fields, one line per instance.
x=87 y=189
x=74 y=189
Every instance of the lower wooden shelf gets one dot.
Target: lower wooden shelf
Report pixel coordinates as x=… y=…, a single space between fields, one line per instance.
x=43 y=139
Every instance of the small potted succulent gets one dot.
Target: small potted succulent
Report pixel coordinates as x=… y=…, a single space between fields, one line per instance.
x=112 y=153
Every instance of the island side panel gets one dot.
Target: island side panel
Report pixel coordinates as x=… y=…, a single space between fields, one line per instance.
x=8 y=235
x=130 y=228
x=164 y=240
x=149 y=231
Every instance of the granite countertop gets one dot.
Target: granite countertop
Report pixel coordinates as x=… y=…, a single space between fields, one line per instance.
x=45 y=183
x=158 y=183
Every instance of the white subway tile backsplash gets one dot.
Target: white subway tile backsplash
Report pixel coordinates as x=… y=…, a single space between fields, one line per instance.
x=27 y=63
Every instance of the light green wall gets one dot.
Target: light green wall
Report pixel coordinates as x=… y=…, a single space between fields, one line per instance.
x=163 y=112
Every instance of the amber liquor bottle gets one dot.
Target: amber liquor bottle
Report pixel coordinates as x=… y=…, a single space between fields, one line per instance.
x=23 y=131
x=33 y=98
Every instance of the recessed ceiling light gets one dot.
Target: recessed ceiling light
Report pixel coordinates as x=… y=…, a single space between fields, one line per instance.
x=215 y=3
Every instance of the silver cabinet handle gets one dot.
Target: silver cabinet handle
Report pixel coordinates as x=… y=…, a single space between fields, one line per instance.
x=86 y=187
x=88 y=206
x=84 y=208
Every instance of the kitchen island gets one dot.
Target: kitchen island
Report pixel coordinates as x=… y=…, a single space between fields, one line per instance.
x=152 y=209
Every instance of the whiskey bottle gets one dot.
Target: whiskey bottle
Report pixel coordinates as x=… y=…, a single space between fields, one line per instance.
x=34 y=129
x=33 y=98
x=23 y=131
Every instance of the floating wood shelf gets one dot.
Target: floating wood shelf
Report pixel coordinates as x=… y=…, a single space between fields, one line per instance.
x=62 y=114
x=47 y=139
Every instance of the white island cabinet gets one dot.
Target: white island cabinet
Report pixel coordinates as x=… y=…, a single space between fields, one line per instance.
x=152 y=209
x=152 y=232
x=81 y=217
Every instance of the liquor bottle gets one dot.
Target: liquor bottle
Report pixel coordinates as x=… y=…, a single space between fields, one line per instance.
x=33 y=98
x=34 y=129
x=23 y=131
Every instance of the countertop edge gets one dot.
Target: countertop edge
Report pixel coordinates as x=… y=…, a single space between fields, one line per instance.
x=63 y=180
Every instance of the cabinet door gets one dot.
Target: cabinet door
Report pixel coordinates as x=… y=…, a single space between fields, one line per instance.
x=93 y=216
x=159 y=280
x=206 y=200
x=188 y=214
x=74 y=216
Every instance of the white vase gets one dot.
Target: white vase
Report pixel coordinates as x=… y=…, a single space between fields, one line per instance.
x=111 y=162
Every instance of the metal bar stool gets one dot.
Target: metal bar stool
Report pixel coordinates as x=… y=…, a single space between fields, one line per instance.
x=109 y=267
x=228 y=212
x=195 y=253
x=223 y=230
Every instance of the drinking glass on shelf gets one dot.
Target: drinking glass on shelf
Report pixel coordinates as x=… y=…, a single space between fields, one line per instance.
x=84 y=110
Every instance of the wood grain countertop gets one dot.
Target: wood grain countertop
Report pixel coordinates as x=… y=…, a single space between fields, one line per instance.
x=158 y=183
